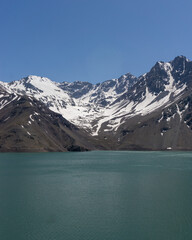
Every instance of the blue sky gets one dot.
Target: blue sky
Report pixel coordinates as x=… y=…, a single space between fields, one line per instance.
x=88 y=40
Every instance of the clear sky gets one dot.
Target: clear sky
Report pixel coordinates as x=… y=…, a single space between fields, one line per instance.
x=91 y=40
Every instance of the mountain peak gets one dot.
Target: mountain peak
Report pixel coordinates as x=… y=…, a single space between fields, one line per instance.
x=181 y=65
x=37 y=78
x=178 y=64
x=181 y=57
x=160 y=67
x=179 y=60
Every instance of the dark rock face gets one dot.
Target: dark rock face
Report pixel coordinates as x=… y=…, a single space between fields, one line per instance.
x=121 y=84
x=156 y=79
x=182 y=70
x=76 y=89
x=123 y=80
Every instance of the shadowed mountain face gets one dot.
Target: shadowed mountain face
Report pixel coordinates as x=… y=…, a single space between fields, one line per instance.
x=27 y=125
x=152 y=112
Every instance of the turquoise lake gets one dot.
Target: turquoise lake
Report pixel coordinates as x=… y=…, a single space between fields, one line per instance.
x=96 y=196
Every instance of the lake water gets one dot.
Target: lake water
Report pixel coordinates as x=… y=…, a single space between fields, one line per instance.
x=96 y=196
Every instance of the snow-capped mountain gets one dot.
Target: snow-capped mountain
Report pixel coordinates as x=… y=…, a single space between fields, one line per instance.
x=110 y=108
x=81 y=103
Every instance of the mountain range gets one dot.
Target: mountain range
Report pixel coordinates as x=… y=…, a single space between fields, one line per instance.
x=150 y=112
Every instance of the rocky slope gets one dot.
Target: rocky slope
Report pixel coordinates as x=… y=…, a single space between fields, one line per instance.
x=152 y=112
x=27 y=125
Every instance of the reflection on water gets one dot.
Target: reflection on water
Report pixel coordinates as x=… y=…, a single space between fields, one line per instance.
x=96 y=196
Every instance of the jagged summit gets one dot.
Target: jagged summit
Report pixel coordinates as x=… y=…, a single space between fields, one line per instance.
x=181 y=57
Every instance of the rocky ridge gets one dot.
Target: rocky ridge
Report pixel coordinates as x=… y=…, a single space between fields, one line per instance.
x=151 y=112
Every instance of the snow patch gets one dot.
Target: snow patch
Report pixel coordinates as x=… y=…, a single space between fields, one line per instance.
x=169 y=148
x=6 y=119
x=161 y=118
x=31 y=118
